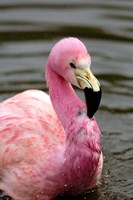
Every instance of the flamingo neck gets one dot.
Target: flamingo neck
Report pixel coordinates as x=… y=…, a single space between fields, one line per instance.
x=82 y=152
x=64 y=99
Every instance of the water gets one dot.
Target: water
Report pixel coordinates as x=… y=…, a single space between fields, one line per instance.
x=28 y=30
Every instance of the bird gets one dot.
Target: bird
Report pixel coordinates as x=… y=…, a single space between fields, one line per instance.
x=50 y=144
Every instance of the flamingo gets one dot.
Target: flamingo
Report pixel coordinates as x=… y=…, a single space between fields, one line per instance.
x=50 y=145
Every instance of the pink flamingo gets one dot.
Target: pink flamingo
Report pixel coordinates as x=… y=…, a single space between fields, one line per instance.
x=48 y=148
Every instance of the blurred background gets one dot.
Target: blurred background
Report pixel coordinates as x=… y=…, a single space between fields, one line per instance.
x=28 y=30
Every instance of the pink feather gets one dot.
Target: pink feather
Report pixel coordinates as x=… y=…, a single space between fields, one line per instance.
x=48 y=148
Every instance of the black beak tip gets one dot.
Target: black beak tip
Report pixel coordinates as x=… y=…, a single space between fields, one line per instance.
x=92 y=101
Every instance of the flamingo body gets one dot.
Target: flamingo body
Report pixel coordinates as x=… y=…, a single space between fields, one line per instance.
x=48 y=148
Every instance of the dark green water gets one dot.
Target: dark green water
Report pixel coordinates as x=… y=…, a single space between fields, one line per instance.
x=28 y=30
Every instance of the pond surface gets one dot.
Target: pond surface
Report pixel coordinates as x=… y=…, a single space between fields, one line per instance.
x=28 y=30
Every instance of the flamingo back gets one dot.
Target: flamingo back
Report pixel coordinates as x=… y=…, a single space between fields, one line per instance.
x=31 y=136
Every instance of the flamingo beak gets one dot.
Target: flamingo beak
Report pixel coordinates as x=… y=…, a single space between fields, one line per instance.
x=92 y=90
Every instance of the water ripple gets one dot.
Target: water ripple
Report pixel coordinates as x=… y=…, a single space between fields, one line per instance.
x=28 y=31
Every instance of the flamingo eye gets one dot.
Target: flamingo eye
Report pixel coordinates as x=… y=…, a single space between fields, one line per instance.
x=72 y=65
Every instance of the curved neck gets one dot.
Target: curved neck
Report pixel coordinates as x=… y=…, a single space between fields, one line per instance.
x=82 y=151
x=64 y=99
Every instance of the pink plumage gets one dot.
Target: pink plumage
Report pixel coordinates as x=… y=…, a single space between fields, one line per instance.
x=48 y=148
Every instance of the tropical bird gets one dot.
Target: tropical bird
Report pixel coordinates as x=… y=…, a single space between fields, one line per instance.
x=50 y=145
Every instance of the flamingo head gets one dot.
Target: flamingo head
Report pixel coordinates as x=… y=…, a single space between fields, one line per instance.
x=70 y=59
